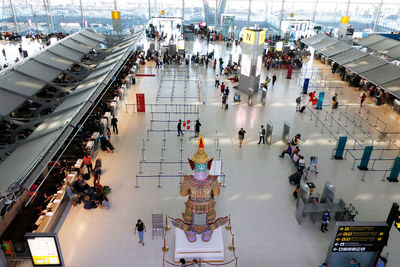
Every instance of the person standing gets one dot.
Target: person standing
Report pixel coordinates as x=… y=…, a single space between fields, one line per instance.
x=362 y=99
x=215 y=63
x=273 y=79
x=114 y=124
x=226 y=91
x=262 y=135
x=179 y=126
x=325 y=221
x=197 y=128
x=298 y=103
x=141 y=228
x=87 y=160
x=241 y=134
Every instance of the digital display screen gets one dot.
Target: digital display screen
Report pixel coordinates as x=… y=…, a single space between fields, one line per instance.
x=44 y=251
x=246 y=65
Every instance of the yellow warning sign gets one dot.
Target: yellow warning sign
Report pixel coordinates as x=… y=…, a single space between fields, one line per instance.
x=345 y=19
x=249 y=37
x=162 y=12
x=115 y=14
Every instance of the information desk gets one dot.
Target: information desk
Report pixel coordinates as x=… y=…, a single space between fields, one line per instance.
x=54 y=210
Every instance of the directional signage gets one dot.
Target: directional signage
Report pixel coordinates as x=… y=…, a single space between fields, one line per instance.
x=360 y=238
x=397 y=221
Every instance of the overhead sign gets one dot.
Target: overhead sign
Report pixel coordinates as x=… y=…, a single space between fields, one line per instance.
x=249 y=37
x=360 y=238
x=45 y=249
x=345 y=19
x=162 y=12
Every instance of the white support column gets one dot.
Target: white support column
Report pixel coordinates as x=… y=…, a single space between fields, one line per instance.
x=183 y=11
x=149 y=11
x=347 y=8
x=115 y=5
x=314 y=11
x=82 y=17
x=216 y=12
x=281 y=15
x=14 y=17
x=377 y=16
x=248 y=14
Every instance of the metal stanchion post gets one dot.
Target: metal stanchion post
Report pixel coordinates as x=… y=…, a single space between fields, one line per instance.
x=316 y=122
x=340 y=116
x=144 y=144
x=354 y=164
x=140 y=168
x=151 y=124
x=322 y=128
x=143 y=159
x=363 y=176
x=219 y=154
x=326 y=116
x=330 y=125
x=354 y=117
x=354 y=128
x=373 y=164
x=338 y=128
x=376 y=122
x=159 y=181
x=148 y=135
x=162 y=154
x=384 y=177
x=311 y=113
x=161 y=169
x=345 y=110
x=137 y=183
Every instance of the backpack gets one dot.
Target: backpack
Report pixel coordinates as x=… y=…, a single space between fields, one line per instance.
x=298 y=100
x=106 y=189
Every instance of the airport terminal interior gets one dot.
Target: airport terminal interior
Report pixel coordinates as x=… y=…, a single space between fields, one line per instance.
x=268 y=131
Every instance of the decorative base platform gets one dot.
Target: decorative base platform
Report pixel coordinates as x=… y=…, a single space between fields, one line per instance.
x=211 y=251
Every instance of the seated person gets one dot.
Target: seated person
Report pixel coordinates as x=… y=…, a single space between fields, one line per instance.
x=105 y=144
x=296 y=158
x=87 y=203
x=301 y=163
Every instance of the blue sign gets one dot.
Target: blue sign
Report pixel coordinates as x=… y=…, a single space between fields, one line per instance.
x=305 y=85
x=340 y=147
x=320 y=100
x=394 y=174
x=365 y=158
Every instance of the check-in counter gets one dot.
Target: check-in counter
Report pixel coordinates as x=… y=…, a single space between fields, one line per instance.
x=55 y=209
x=78 y=164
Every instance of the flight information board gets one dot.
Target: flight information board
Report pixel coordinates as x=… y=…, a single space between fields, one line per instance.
x=360 y=238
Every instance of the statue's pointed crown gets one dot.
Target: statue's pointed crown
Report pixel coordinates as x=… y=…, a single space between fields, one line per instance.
x=201 y=156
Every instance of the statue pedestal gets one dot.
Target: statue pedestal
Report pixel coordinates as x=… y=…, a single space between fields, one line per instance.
x=211 y=251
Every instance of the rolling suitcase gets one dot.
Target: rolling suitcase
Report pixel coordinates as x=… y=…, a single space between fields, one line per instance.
x=226 y=106
x=294 y=179
x=302 y=109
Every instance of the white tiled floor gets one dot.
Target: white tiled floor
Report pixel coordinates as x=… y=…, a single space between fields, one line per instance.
x=258 y=196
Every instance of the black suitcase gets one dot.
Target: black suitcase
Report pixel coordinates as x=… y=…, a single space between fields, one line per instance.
x=294 y=179
x=226 y=106
x=302 y=109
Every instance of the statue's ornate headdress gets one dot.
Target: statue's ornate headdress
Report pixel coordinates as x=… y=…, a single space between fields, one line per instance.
x=200 y=157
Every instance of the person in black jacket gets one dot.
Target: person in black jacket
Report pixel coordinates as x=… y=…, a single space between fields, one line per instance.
x=197 y=128
x=179 y=126
x=114 y=122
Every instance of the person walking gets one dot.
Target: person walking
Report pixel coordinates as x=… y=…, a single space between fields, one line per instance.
x=141 y=228
x=224 y=99
x=241 y=134
x=197 y=128
x=179 y=126
x=325 y=221
x=222 y=87
x=215 y=63
x=273 y=79
x=262 y=135
x=226 y=92
x=114 y=124
x=335 y=102
x=363 y=96
x=217 y=81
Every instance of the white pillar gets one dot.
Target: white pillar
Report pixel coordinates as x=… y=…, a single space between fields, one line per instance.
x=248 y=14
x=14 y=17
x=377 y=16
x=82 y=17
x=281 y=15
